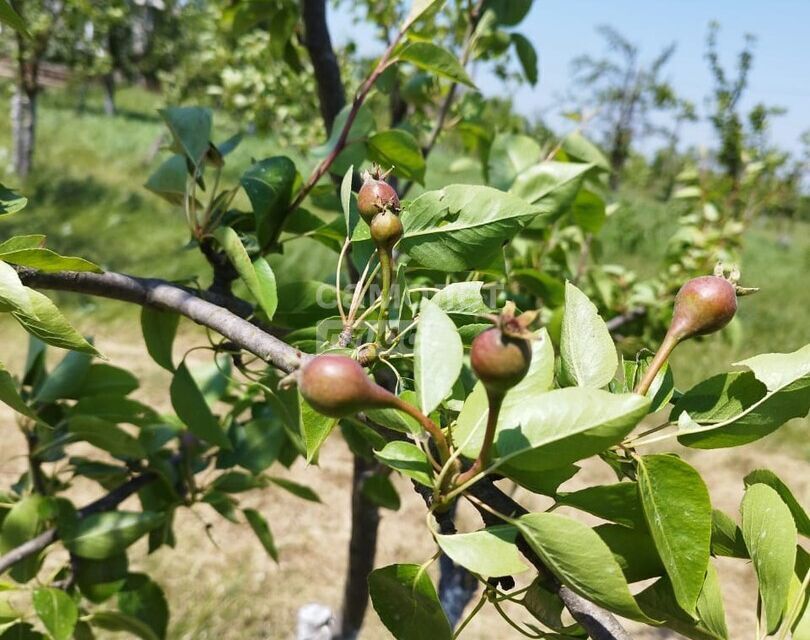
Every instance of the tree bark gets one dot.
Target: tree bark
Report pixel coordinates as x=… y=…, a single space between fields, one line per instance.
x=23 y=124
x=362 y=551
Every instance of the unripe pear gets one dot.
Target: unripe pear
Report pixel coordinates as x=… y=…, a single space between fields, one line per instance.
x=338 y=386
x=500 y=361
x=703 y=305
x=376 y=196
x=386 y=229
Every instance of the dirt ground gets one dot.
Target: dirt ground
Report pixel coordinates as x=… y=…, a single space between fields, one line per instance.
x=221 y=585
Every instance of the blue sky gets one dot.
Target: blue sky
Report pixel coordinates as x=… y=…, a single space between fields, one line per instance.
x=562 y=29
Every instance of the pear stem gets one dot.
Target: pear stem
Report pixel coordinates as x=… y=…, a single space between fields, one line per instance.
x=386 y=267
x=661 y=356
x=427 y=424
x=495 y=399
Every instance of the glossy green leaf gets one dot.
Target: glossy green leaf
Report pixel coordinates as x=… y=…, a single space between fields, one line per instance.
x=256 y=274
x=22 y=522
x=144 y=600
x=191 y=132
x=580 y=560
x=191 y=407
x=779 y=370
x=159 y=329
x=526 y=55
x=462 y=299
x=490 y=552
x=48 y=261
x=48 y=324
x=350 y=215
x=408 y=459
x=554 y=429
x=260 y=527
x=380 y=491
x=29 y=241
x=510 y=155
x=578 y=146
x=269 y=185
x=399 y=150
x=120 y=622
x=103 y=535
x=406 y=601
x=438 y=356
x=66 y=379
x=733 y=409
x=169 y=180
x=436 y=60
x=106 y=379
x=633 y=549
x=551 y=186
x=770 y=536
x=99 y=580
x=106 y=436
x=764 y=476
x=10 y=396
x=710 y=609
x=617 y=503
x=659 y=603
x=418 y=9
x=57 y=610
x=679 y=515
x=727 y=538
x=587 y=353
x=10 y=202
x=13 y=293
x=462 y=226
x=315 y=428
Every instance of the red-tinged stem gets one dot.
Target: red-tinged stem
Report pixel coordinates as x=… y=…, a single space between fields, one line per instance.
x=661 y=356
x=427 y=424
x=495 y=402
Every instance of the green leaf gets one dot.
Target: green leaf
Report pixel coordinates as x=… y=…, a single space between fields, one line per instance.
x=764 y=476
x=10 y=395
x=508 y=13
x=588 y=211
x=408 y=459
x=106 y=436
x=727 y=538
x=48 y=324
x=103 y=535
x=48 y=261
x=546 y=287
x=57 y=611
x=105 y=379
x=120 y=622
x=710 y=605
x=438 y=356
x=191 y=132
x=554 y=429
x=587 y=352
x=298 y=490
x=406 y=601
x=490 y=552
x=770 y=536
x=658 y=602
x=349 y=214
x=617 y=503
x=315 y=428
x=257 y=445
x=169 y=180
x=260 y=527
x=190 y=406
x=733 y=409
x=362 y=125
x=510 y=155
x=22 y=522
x=398 y=149
x=143 y=599
x=12 y=292
x=779 y=370
x=462 y=227
x=159 y=329
x=436 y=60
x=20 y=631
x=66 y=379
x=462 y=299
x=578 y=146
x=527 y=56
x=552 y=186
x=269 y=185
x=418 y=9
x=15 y=243
x=99 y=580
x=580 y=560
x=380 y=491
x=257 y=275
x=10 y=202
x=633 y=549
x=679 y=515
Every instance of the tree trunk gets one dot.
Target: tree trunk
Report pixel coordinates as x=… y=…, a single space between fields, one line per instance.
x=457 y=586
x=362 y=550
x=108 y=81
x=23 y=123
